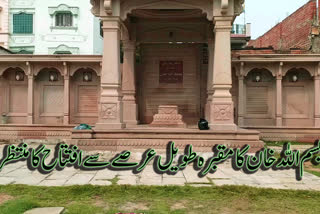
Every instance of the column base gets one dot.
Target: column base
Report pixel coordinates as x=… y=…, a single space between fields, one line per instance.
x=30 y=120
x=279 y=121
x=130 y=114
x=108 y=126
x=66 y=120
x=110 y=113
x=240 y=121
x=131 y=124
x=207 y=111
x=317 y=122
x=221 y=116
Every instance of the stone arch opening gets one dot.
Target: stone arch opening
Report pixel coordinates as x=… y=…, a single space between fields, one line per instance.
x=13 y=96
x=259 y=97
x=84 y=96
x=49 y=97
x=298 y=98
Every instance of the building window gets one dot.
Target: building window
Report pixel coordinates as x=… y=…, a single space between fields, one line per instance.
x=23 y=23
x=62 y=52
x=64 y=19
x=24 y=52
x=101 y=29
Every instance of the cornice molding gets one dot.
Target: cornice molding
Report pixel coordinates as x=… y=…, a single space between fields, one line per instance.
x=64 y=8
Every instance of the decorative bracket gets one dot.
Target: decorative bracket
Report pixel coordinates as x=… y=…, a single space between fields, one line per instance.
x=279 y=74
x=95 y=10
x=65 y=69
x=29 y=70
x=224 y=6
x=108 y=6
x=241 y=73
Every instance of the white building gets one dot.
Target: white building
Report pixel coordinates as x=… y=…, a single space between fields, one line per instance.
x=53 y=27
x=4 y=23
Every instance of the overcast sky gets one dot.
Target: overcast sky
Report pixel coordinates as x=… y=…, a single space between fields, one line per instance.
x=264 y=14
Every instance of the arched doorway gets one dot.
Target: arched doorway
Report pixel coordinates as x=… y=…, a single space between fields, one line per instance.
x=298 y=98
x=84 y=96
x=259 y=96
x=49 y=97
x=14 y=95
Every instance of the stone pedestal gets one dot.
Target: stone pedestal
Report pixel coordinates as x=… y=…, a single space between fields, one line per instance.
x=168 y=116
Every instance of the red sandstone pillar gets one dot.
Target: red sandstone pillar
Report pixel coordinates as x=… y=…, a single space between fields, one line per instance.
x=110 y=107
x=279 y=97
x=316 y=99
x=210 y=77
x=66 y=100
x=30 y=94
x=130 y=110
x=241 y=97
x=221 y=114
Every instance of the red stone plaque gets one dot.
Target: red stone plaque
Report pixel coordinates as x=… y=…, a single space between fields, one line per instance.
x=171 y=72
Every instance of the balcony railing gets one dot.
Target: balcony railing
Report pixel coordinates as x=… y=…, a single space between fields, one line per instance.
x=239 y=29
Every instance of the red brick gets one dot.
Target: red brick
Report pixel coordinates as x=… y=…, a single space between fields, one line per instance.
x=292 y=32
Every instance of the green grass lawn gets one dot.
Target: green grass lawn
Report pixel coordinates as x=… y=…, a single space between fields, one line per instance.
x=172 y=199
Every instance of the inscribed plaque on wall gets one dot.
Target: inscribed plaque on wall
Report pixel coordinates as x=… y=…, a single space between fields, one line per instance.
x=171 y=72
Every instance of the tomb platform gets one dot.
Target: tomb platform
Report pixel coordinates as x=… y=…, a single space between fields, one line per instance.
x=168 y=116
x=145 y=137
x=141 y=137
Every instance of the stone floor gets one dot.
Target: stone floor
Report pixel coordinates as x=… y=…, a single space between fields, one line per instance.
x=18 y=173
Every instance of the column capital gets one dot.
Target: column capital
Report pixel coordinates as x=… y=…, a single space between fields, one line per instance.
x=222 y=23
x=111 y=23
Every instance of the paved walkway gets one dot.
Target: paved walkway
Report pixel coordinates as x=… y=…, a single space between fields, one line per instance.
x=18 y=173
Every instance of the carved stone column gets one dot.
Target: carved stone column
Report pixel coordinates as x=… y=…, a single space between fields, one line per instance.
x=221 y=114
x=317 y=100
x=279 y=97
x=30 y=94
x=241 y=97
x=130 y=110
x=110 y=107
x=210 y=78
x=66 y=100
